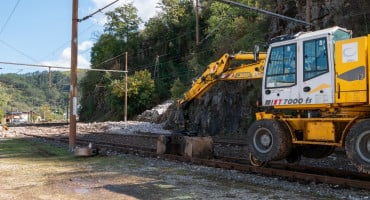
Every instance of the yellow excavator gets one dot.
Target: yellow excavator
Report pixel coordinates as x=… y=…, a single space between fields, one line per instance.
x=222 y=70
x=324 y=77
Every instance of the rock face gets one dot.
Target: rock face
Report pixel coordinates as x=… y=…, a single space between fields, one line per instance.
x=350 y=14
x=229 y=107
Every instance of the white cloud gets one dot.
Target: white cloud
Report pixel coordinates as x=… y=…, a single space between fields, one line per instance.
x=64 y=59
x=146 y=8
x=86 y=45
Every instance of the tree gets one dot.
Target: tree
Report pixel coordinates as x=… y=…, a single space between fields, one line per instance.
x=4 y=98
x=123 y=23
x=46 y=113
x=139 y=92
x=233 y=29
x=121 y=34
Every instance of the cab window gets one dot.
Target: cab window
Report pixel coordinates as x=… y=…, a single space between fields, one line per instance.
x=341 y=35
x=281 y=66
x=315 y=58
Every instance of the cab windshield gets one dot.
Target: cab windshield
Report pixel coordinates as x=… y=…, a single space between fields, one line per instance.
x=341 y=35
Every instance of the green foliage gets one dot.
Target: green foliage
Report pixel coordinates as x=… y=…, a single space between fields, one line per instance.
x=46 y=113
x=121 y=34
x=106 y=47
x=26 y=92
x=123 y=22
x=165 y=48
x=177 y=89
x=4 y=98
x=229 y=24
x=93 y=92
x=139 y=92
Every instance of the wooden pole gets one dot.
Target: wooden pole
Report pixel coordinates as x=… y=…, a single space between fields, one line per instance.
x=196 y=23
x=73 y=94
x=126 y=89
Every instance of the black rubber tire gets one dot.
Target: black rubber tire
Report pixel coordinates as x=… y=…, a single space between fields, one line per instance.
x=269 y=140
x=255 y=162
x=357 y=145
x=316 y=151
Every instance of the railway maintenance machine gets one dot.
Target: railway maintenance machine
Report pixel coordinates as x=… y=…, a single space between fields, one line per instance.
x=315 y=96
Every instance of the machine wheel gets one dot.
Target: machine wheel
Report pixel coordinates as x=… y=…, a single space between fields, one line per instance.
x=316 y=151
x=269 y=140
x=255 y=162
x=358 y=145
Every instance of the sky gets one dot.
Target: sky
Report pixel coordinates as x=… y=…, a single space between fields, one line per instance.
x=38 y=32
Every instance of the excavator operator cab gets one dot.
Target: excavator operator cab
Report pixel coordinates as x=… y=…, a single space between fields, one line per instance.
x=300 y=69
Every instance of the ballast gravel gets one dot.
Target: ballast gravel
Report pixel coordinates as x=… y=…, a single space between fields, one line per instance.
x=176 y=180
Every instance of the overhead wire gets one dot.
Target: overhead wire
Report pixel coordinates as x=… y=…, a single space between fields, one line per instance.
x=61 y=46
x=9 y=17
x=17 y=50
x=183 y=35
x=67 y=42
x=99 y=10
x=131 y=56
x=85 y=30
x=3 y=29
x=146 y=66
x=171 y=59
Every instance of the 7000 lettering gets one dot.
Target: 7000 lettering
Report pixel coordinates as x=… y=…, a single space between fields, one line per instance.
x=273 y=102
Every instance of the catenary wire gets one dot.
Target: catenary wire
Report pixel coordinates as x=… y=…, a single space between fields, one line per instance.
x=9 y=17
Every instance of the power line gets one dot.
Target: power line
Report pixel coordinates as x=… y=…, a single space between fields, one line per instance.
x=67 y=42
x=59 y=67
x=17 y=50
x=10 y=16
x=79 y=20
x=99 y=10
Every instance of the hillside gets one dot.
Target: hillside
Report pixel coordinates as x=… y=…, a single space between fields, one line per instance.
x=41 y=92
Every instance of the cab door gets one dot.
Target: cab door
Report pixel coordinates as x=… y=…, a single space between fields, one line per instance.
x=316 y=73
x=280 y=84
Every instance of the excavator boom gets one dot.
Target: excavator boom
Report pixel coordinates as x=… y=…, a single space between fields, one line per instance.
x=222 y=70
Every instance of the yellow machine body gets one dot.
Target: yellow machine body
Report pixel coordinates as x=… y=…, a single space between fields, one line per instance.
x=315 y=87
x=352 y=74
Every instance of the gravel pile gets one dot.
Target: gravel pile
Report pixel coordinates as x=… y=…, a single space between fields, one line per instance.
x=132 y=127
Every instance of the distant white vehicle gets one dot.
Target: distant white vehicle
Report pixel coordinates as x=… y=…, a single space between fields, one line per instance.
x=19 y=121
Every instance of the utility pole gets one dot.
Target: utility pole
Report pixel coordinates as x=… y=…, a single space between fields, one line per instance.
x=308 y=10
x=196 y=23
x=73 y=95
x=126 y=89
x=156 y=68
x=49 y=77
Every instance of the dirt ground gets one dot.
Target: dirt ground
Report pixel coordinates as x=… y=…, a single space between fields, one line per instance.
x=32 y=169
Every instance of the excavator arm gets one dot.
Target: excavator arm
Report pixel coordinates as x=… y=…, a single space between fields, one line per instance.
x=222 y=70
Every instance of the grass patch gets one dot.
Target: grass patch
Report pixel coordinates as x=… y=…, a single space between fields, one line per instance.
x=25 y=148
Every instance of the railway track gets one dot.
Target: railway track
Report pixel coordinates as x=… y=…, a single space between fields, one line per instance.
x=303 y=174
